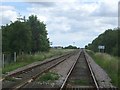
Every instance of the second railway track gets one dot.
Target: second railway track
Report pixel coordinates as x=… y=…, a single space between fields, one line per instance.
x=18 y=80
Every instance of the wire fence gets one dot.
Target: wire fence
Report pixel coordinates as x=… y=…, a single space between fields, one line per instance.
x=8 y=58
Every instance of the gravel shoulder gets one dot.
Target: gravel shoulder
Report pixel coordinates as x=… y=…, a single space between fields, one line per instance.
x=102 y=77
x=31 y=65
x=63 y=68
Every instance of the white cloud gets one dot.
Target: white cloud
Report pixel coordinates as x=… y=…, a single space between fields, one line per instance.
x=68 y=38
x=7 y=14
x=107 y=8
x=75 y=21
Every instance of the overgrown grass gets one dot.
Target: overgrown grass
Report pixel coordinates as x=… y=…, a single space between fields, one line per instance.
x=49 y=77
x=109 y=64
x=28 y=59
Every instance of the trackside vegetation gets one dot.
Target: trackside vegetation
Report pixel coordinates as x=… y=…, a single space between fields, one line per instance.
x=70 y=47
x=109 y=64
x=109 y=39
x=48 y=77
x=26 y=59
x=110 y=60
x=25 y=36
x=28 y=39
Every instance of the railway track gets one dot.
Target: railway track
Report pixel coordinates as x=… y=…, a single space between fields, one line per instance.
x=20 y=79
x=80 y=76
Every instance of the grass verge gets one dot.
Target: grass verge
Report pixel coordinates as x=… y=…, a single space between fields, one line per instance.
x=28 y=59
x=109 y=64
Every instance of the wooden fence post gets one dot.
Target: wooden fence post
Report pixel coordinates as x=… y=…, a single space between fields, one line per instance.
x=15 y=56
x=3 y=60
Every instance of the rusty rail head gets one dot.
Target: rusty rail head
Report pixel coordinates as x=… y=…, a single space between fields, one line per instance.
x=92 y=73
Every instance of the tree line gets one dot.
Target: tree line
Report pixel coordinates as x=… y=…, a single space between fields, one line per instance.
x=109 y=39
x=70 y=47
x=25 y=36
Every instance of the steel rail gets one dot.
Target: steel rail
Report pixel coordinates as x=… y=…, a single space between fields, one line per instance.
x=92 y=73
x=34 y=77
x=70 y=71
x=30 y=68
x=22 y=84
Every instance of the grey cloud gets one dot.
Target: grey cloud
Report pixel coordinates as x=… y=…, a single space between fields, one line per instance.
x=4 y=21
x=110 y=21
x=104 y=11
x=43 y=4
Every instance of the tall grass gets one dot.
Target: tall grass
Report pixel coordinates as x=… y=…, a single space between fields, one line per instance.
x=26 y=59
x=109 y=64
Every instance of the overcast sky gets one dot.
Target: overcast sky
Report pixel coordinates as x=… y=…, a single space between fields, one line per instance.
x=71 y=22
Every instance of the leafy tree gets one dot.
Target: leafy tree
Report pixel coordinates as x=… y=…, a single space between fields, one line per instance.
x=40 y=41
x=70 y=47
x=109 y=39
x=16 y=37
x=30 y=35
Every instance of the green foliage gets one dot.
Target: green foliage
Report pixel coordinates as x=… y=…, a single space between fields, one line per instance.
x=49 y=77
x=30 y=35
x=16 y=37
x=109 y=39
x=70 y=47
x=26 y=59
x=40 y=41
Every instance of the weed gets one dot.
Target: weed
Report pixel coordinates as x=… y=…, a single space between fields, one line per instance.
x=49 y=77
